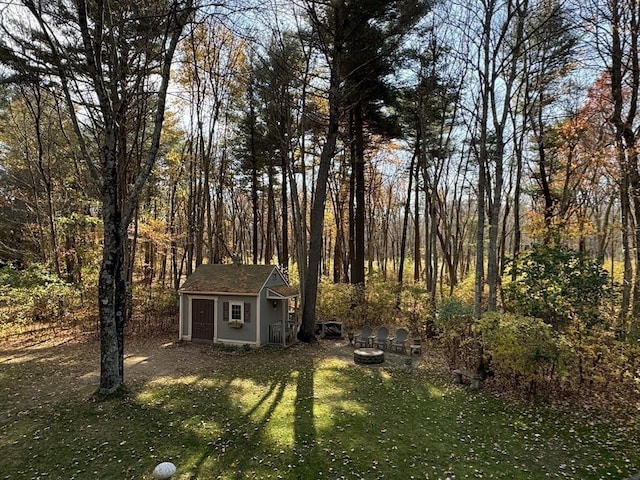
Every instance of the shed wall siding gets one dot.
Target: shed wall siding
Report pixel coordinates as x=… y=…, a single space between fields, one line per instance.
x=246 y=334
x=185 y=321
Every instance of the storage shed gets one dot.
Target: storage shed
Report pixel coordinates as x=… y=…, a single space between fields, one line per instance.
x=238 y=304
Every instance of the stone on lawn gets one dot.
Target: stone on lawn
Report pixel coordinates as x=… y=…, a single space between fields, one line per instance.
x=164 y=471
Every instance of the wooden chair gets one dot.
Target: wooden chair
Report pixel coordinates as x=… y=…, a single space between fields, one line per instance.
x=364 y=337
x=399 y=342
x=382 y=338
x=416 y=347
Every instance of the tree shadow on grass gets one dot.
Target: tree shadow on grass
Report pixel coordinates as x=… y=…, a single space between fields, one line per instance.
x=304 y=429
x=200 y=421
x=292 y=391
x=289 y=414
x=254 y=428
x=265 y=413
x=217 y=422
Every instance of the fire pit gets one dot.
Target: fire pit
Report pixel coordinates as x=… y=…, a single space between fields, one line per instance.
x=368 y=356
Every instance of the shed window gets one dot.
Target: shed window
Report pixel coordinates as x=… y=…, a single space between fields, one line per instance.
x=237 y=312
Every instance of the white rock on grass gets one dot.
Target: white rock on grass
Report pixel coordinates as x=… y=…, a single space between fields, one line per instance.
x=164 y=471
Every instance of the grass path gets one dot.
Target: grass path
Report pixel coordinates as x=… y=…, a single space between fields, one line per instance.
x=304 y=413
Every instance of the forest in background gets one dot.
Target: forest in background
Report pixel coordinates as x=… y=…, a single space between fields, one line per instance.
x=413 y=157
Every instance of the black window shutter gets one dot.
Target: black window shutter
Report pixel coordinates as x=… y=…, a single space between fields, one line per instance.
x=225 y=311
x=247 y=312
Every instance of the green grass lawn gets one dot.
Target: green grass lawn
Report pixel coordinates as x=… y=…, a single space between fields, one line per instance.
x=304 y=413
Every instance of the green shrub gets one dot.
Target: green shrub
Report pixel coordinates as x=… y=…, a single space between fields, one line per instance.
x=31 y=295
x=529 y=356
x=335 y=302
x=417 y=308
x=595 y=358
x=557 y=284
x=456 y=324
x=343 y=302
x=452 y=311
x=524 y=350
x=465 y=290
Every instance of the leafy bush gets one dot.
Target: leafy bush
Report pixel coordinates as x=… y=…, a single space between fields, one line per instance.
x=32 y=294
x=557 y=284
x=455 y=321
x=347 y=303
x=335 y=304
x=524 y=350
x=529 y=356
x=451 y=311
x=416 y=307
x=380 y=303
x=595 y=358
x=465 y=290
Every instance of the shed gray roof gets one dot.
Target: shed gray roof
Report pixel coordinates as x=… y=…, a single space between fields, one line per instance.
x=228 y=278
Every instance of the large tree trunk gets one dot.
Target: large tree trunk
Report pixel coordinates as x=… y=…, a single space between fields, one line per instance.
x=111 y=301
x=255 y=213
x=517 y=232
x=431 y=210
x=306 y=332
x=352 y=198
x=549 y=210
x=493 y=267
x=417 y=261
x=85 y=52
x=191 y=208
x=340 y=260
x=625 y=89
x=358 y=263
x=635 y=195
x=405 y=219
x=219 y=242
x=270 y=227
x=479 y=277
x=284 y=252
x=517 y=15
x=483 y=158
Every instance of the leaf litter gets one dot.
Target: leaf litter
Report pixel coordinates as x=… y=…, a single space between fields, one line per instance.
x=304 y=412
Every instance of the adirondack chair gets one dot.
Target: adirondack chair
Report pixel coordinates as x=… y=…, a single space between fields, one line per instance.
x=364 y=337
x=382 y=338
x=416 y=346
x=399 y=342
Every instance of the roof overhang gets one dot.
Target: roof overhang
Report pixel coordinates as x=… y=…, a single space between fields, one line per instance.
x=221 y=294
x=281 y=292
